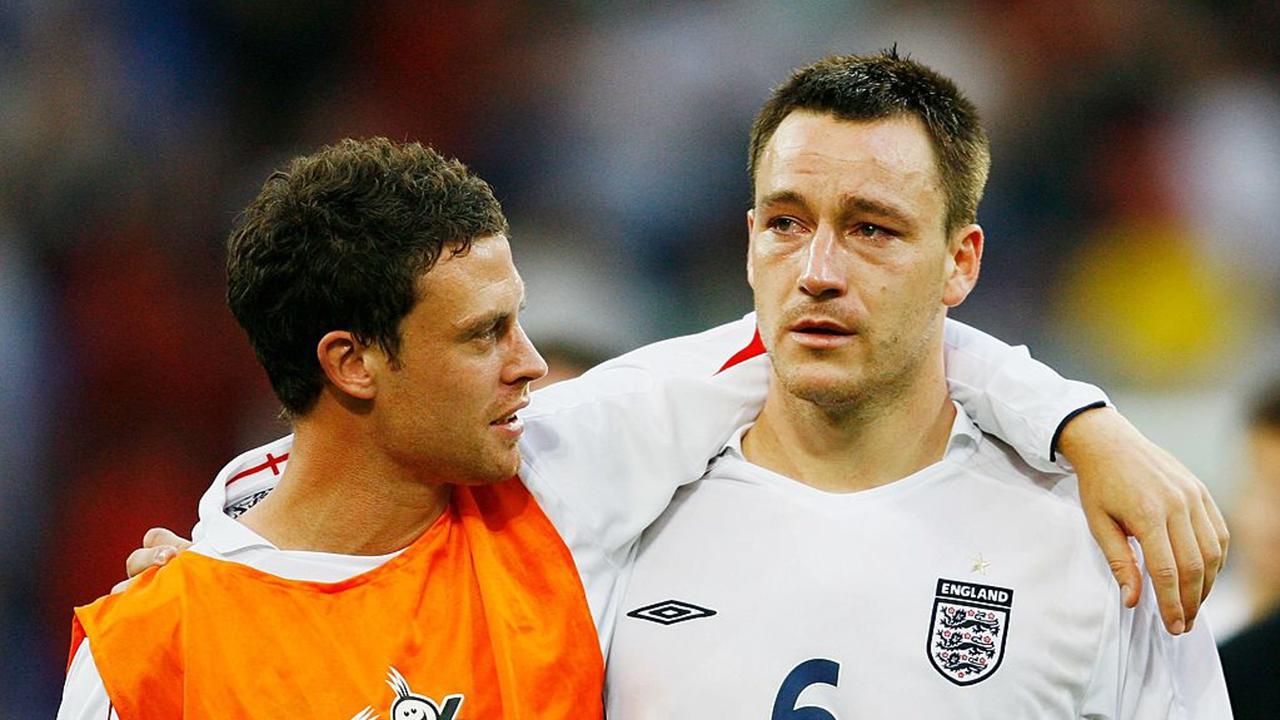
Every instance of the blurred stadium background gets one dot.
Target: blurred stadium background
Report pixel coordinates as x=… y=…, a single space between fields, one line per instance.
x=1133 y=213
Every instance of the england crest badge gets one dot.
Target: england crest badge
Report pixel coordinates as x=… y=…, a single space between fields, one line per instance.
x=968 y=631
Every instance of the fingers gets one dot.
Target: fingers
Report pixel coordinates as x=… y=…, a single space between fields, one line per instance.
x=1161 y=565
x=143 y=558
x=1191 y=565
x=156 y=537
x=159 y=546
x=1115 y=546
x=1209 y=546
x=1219 y=525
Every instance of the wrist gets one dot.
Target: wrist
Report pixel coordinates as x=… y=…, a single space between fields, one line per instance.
x=1080 y=430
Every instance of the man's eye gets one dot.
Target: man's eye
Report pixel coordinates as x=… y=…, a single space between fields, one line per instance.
x=489 y=334
x=872 y=232
x=784 y=225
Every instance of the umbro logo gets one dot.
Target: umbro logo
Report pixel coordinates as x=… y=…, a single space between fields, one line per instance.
x=670 y=612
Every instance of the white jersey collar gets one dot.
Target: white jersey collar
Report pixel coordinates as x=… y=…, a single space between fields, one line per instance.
x=242 y=483
x=239 y=485
x=964 y=439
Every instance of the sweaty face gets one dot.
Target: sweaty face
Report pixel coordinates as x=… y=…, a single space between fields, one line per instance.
x=449 y=406
x=849 y=257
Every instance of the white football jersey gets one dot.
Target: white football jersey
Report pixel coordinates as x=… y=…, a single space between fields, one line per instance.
x=970 y=589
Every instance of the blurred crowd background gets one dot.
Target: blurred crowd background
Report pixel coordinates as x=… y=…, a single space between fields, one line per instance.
x=1133 y=219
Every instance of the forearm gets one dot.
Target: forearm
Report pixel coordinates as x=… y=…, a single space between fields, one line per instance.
x=1013 y=396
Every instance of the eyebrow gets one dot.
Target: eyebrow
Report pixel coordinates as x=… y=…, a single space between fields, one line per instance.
x=850 y=205
x=854 y=204
x=479 y=324
x=782 y=197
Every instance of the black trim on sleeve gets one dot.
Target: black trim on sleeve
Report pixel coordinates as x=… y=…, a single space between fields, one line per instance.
x=1053 y=444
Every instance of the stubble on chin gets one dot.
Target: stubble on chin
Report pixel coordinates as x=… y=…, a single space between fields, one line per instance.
x=864 y=390
x=835 y=398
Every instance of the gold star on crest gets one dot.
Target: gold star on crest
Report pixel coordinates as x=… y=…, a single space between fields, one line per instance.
x=980 y=565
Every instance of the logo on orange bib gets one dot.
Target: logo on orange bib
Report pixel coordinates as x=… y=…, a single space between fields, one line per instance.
x=409 y=705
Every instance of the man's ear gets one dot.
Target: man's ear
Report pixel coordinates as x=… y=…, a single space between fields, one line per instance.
x=964 y=260
x=751 y=226
x=349 y=364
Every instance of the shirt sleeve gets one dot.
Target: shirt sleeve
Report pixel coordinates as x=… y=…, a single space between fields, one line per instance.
x=1144 y=673
x=1013 y=396
x=84 y=697
x=604 y=453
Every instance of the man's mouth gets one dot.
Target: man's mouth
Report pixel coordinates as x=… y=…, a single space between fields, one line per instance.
x=820 y=333
x=820 y=327
x=511 y=422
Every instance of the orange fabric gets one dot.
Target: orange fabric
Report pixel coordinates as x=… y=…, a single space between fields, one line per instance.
x=77 y=637
x=486 y=604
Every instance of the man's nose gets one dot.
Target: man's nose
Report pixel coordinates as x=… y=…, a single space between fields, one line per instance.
x=526 y=364
x=823 y=274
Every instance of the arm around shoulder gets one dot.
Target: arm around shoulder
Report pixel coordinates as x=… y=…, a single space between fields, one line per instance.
x=1128 y=485
x=1008 y=393
x=606 y=451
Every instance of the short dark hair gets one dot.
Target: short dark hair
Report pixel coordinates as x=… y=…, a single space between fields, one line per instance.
x=337 y=241
x=1264 y=411
x=876 y=87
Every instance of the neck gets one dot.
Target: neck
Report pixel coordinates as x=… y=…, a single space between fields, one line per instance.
x=340 y=495
x=875 y=442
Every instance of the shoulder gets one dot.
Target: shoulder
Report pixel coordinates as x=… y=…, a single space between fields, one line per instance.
x=1003 y=471
x=1002 y=491
x=154 y=600
x=704 y=353
x=131 y=630
x=137 y=638
x=695 y=357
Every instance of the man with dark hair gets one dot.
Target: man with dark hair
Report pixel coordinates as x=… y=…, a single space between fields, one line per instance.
x=884 y=87
x=328 y=235
x=376 y=286
x=864 y=549
x=1251 y=659
x=390 y=541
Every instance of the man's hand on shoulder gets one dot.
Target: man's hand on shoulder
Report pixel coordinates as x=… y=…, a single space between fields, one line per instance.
x=159 y=546
x=1131 y=486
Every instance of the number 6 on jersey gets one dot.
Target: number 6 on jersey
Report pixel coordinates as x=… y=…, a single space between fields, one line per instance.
x=809 y=672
